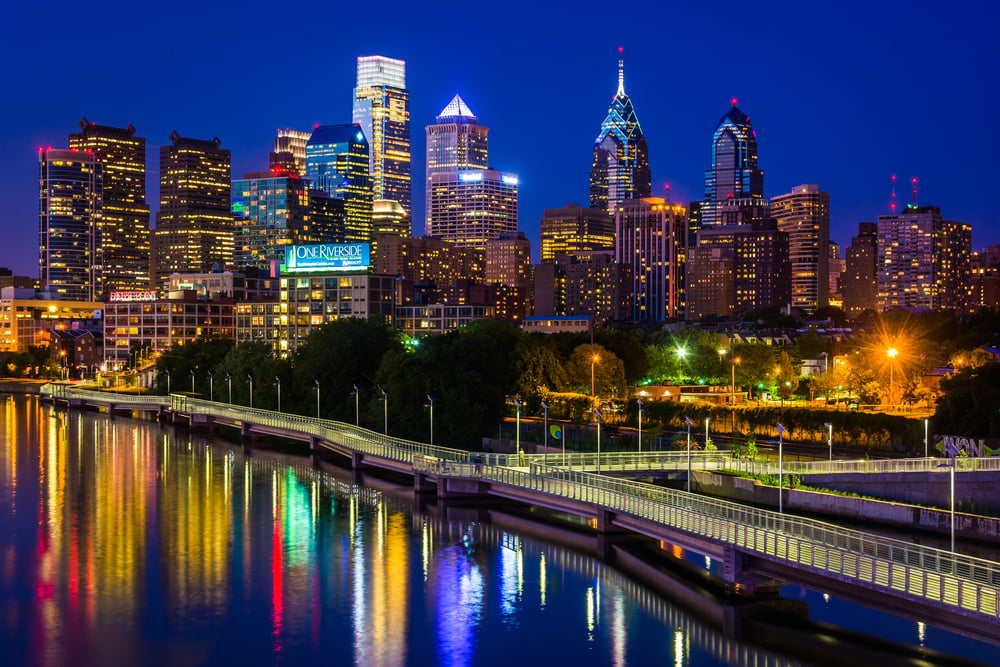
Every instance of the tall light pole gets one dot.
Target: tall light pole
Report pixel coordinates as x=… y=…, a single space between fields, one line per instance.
x=430 y=404
x=593 y=360
x=317 y=397
x=250 y=379
x=926 y=438
x=357 y=406
x=598 y=413
x=277 y=381
x=229 y=383
x=168 y=381
x=385 y=411
x=687 y=420
x=211 y=386
x=781 y=467
x=639 y=401
x=829 y=425
x=517 y=432
x=192 y=381
x=892 y=352
x=545 y=432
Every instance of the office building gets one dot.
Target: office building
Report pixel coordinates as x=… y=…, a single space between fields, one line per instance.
x=572 y=229
x=804 y=214
x=270 y=211
x=289 y=154
x=389 y=219
x=382 y=108
x=69 y=224
x=858 y=283
x=456 y=142
x=923 y=260
x=985 y=279
x=733 y=176
x=123 y=253
x=586 y=283
x=471 y=207
x=337 y=163
x=650 y=241
x=620 y=167
x=327 y=219
x=194 y=226
x=762 y=267
x=837 y=267
x=428 y=261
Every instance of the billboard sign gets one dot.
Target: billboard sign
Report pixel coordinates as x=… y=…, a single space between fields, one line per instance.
x=326 y=257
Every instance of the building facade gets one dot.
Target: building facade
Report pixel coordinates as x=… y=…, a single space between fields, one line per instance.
x=382 y=108
x=429 y=261
x=271 y=211
x=572 y=229
x=195 y=229
x=123 y=254
x=804 y=214
x=734 y=175
x=859 y=282
x=69 y=229
x=472 y=207
x=923 y=260
x=439 y=318
x=27 y=318
x=456 y=142
x=337 y=163
x=649 y=241
x=289 y=152
x=620 y=167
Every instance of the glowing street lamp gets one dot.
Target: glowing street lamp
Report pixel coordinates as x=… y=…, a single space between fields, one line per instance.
x=593 y=360
x=892 y=352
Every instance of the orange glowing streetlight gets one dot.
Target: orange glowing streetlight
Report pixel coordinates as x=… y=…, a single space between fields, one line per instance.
x=891 y=352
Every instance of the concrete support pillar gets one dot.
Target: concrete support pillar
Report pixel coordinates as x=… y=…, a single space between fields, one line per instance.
x=422 y=484
x=737 y=571
x=357 y=460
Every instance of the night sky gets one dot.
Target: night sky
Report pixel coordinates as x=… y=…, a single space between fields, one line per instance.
x=840 y=94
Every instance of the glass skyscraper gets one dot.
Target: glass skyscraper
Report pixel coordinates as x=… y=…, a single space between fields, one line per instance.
x=734 y=177
x=620 y=169
x=337 y=163
x=271 y=211
x=123 y=254
x=69 y=224
x=382 y=108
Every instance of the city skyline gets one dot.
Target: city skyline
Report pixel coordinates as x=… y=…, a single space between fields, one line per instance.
x=845 y=119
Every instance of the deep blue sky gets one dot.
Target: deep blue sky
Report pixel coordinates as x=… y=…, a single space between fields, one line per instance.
x=840 y=94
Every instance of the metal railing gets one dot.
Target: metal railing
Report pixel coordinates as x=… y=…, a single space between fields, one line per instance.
x=933 y=574
x=986 y=463
x=631 y=461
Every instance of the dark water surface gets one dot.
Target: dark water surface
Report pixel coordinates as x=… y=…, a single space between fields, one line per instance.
x=124 y=542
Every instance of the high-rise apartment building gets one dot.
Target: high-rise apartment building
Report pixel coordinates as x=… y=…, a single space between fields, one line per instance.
x=572 y=229
x=337 y=163
x=456 y=142
x=650 y=240
x=837 y=267
x=858 y=283
x=471 y=207
x=382 y=108
x=123 y=253
x=271 y=211
x=923 y=260
x=428 y=260
x=804 y=214
x=733 y=176
x=389 y=218
x=289 y=152
x=69 y=224
x=508 y=259
x=194 y=226
x=620 y=168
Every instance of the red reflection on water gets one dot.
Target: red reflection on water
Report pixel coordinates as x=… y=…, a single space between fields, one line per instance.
x=277 y=585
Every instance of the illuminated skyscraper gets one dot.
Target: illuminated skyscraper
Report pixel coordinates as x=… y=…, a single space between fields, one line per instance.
x=472 y=207
x=69 y=224
x=194 y=227
x=620 y=169
x=337 y=163
x=650 y=239
x=123 y=253
x=924 y=260
x=734 y=176
x=271 y=211
x=388 y=219
x=382 y=108
x=455 y=142
x=804 y=214
x=573 y=229
x=289 y=151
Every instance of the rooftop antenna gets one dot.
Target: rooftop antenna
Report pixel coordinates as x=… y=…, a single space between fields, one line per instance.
x=666 y=187
x=914 y=192
x=621 y=71
x=892 y=202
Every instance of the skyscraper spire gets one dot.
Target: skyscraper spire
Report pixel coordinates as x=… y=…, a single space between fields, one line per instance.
x=621 y=72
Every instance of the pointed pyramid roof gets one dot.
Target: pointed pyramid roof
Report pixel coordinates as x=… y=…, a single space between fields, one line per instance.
x=457 y=108
x=736 y=116
x=621 y=119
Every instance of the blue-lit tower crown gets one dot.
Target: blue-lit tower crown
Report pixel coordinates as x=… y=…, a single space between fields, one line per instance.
x=733 y=177
x=620 y=169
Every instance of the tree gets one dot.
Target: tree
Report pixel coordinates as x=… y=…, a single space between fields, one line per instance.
x=539 y=371
x=968 y=404
x=608 y=371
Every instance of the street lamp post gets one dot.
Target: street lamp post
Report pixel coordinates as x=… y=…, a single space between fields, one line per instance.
x=687 y=420
x=357 y=409
x=168 y=381
x=211 y=386
x=517 y=431
x=250 y=379
x=317 y=398
x=639 y=401
x=926 y=438
x=277 y=381
x=545 y=432
x=192 y=381
x=229 y=383
x=597 y=416
x=593 y=360
x=892 y=352
x=781 y=467
x=829 y=441
x=385 y=411
x=430 y=404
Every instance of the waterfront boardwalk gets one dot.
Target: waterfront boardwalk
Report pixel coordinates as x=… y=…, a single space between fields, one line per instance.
x=758 y=548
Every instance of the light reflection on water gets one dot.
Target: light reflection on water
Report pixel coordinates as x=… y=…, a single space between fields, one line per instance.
x=125 y=542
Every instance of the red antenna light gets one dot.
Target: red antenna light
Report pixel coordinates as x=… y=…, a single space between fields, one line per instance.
x=892 y=201
x=914 y=191
x=734 y=100
x=621 y=49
